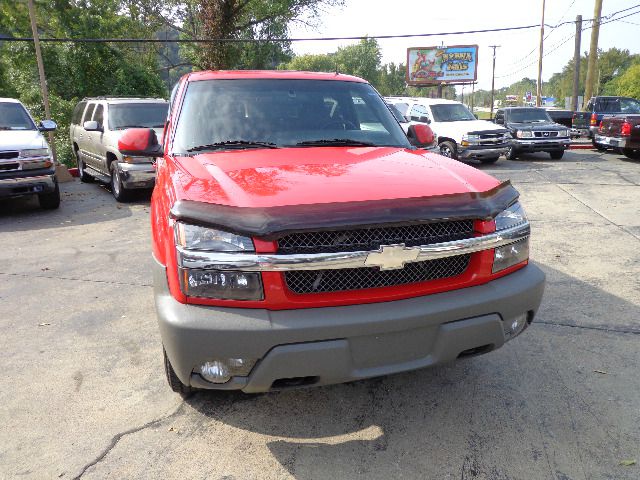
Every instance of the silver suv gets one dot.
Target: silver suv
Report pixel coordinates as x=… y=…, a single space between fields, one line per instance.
x=96 y=126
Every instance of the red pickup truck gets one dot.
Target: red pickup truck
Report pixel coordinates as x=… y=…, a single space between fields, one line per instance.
x=301 y=238
x=621 y=132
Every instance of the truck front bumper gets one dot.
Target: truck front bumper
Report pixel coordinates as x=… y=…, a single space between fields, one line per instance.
x=137 y=175
x=520 y=145
x=319 y=346
x=27 y=185
x=481 y=151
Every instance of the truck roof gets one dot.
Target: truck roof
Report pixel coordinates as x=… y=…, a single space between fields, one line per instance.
x=125 y=99
x=421 y=100
x=269 y=74
x=9 y=100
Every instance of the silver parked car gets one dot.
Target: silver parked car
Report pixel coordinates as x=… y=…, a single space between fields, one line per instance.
x=96 y=126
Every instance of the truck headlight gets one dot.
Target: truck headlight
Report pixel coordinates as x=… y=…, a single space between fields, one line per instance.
x=195 y=237
x=514 y=253
x=211 y=283
x=469 y=139
x=35 y=152
x=524 y=134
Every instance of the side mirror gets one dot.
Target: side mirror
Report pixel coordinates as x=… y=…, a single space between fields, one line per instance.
x=140 y=142
x=421 y=135
x=92 y=126
x=424 y=119
x=47 y=126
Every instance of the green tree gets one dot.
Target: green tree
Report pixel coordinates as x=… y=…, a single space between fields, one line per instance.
x=628 y=84
x=311 y=63
x=361 y=60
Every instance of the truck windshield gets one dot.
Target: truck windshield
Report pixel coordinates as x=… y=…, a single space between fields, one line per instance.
x=529 y=115
x=271 y=113
x=451 y=112
x=131 y=115
x=13 y=116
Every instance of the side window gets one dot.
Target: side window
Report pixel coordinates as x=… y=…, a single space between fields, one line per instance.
x=98 y=116
x=77 y=113
x=89 y=112
x=418 y=112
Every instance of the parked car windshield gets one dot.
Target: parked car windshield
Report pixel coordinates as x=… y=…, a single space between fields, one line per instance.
x=270 y=113
x=130 y=115
x=451 y=112
x=529 y=115
x=13 y=116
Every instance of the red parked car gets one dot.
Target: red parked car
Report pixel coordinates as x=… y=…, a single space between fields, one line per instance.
x=301 y=238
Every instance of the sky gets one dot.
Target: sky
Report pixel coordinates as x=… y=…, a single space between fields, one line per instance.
x=517 y=56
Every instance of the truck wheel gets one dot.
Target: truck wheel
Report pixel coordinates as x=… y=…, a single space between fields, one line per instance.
x=557 y=154
x=50 y=201
x=120 y=193
x=84 y=176
x=511 y=154
x=489 y=160
x=631 y=153
x=173 y=380
x=448 y=149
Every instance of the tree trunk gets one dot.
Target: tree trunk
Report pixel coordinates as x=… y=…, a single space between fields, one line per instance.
x=219 y=19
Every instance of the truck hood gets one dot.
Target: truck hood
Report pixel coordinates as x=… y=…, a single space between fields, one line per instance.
x=296 y=176
x=21 y=139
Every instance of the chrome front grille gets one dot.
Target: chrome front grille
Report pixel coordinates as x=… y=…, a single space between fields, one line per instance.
x=9 y=154
x=365 y=239
x=323 y=281
x=545 y=134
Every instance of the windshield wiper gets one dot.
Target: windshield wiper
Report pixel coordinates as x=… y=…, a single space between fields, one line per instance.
x=122 y=127
x=340 y=142
x=232 y=144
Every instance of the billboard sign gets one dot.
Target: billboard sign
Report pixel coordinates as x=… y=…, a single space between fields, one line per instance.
x=434 y=65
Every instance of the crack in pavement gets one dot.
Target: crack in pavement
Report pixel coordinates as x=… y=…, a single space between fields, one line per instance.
x=116 y=438
x=585 y=327
x=51 y=277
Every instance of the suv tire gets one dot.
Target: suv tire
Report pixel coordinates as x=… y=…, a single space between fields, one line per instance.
x=50 y=201
x=631 y=153
x=598 y=146
x=120 y=193
x=511 y=154
x=84 y=176
x=557 y=154
x=173 y=380
x=448 y=149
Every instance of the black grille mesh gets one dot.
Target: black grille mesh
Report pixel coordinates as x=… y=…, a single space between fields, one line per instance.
x=317 y=281
x=372 y=238
x=9 y=154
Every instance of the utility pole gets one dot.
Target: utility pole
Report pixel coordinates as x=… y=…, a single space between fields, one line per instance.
x=493 y=77
x=43 y=80
x=593 y=52
x=576 y=64
x=539 y=92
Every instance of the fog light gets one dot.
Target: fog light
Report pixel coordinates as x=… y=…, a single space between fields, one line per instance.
x=510 y=255
x=221 y=370
x=514 y=326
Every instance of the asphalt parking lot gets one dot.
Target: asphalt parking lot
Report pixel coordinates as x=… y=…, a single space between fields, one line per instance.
x=84 y=393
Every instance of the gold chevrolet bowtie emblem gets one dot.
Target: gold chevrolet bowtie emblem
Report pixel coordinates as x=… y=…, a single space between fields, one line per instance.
x=391 y=257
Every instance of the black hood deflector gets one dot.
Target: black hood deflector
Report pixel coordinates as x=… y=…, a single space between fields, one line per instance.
x=271 y=223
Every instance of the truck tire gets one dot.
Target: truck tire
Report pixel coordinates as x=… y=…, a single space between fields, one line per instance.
x=172 y=379
x=50 y=201
x=489 y=160
x=631 y=153
x=557 y=154
x=84 y=176
x=448 y=149
x=511 y=154
x=120 y=193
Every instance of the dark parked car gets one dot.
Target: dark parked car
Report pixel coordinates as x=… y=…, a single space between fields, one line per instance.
x=597 y=108
x=621 y=132
x=533 y=131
